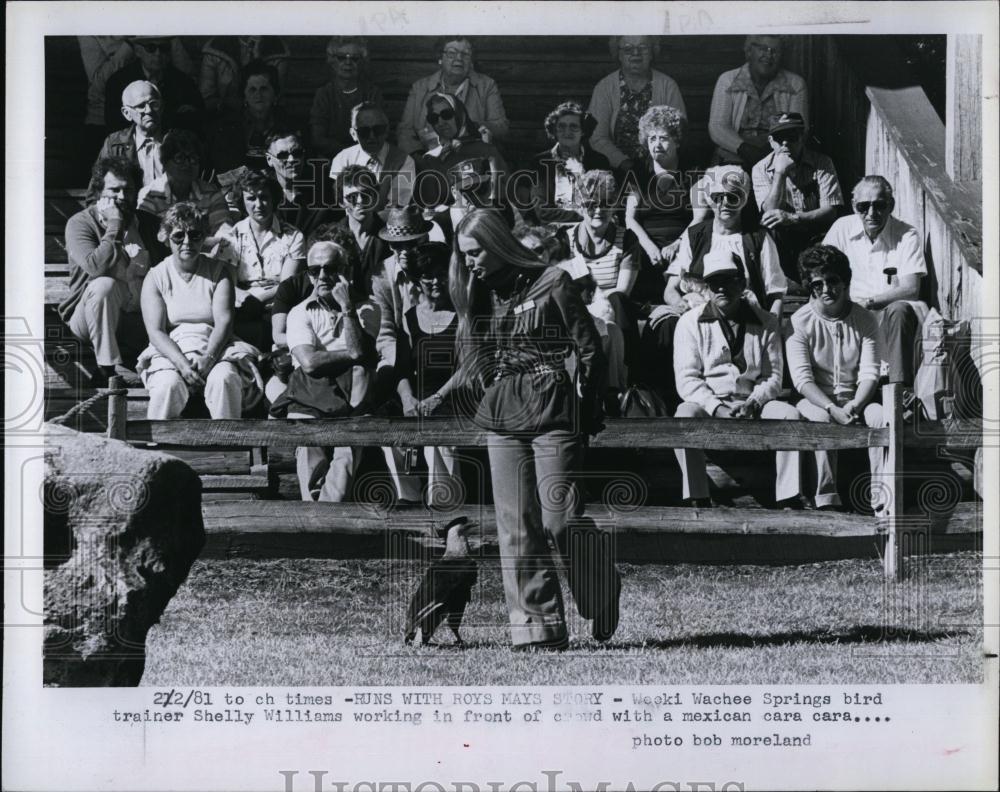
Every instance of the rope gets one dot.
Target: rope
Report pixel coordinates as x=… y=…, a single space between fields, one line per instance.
x=88 y=403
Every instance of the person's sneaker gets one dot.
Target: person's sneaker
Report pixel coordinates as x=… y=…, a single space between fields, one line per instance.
x=794 y=503
x=555 y=645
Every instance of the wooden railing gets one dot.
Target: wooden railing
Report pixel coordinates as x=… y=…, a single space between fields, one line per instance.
x=651 y=433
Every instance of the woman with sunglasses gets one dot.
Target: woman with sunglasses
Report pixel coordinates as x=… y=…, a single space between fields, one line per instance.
x=519 y=321
x=834 y=360
x=264 y=250
x=330 y=116
x=187 y=307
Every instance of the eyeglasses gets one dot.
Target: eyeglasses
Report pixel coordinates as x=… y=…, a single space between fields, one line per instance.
x=862 y=207
x=820 y=285
x=568 y=128
x=330 y=270
x=722 y=281
x=377 y=130
x=731 y=199
x=154 y=46
x=149 y=104
x=445 y=115
x=787 y=137
x=594 y=206
x=296 y=153
x=355 y=198
x=766 y=50
x=406 y=244
x=635 y=49
x=343 y=57
x=430 y=277
x=456 y=54
x=178 y=236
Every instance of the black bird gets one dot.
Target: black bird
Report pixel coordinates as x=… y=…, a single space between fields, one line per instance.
x=446 y=588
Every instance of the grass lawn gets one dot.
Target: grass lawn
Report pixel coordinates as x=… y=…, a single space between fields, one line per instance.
x=327 y=622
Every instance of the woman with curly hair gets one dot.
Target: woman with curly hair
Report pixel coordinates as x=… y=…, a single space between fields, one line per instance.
x=330 y=116
x=557 y=169
x=519 y=321
x=187 y=307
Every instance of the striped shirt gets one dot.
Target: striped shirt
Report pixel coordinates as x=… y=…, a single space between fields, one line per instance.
x=604 y=267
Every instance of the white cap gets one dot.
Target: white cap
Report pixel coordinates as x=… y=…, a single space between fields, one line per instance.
x=721 y=261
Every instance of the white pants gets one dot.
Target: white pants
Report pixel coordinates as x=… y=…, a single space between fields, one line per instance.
x=168 y=392
x=787 y=482
x=95 y=318
x=821 y=474
x=444 y=482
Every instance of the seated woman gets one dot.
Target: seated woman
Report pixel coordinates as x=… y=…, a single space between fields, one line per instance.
x=239 y=138
x=187 y=306
x=597 y=248
x=349 y=86
x=833 y=357
x=265 y=250
x=656 y=210
x=181 y=156
x=558 y=169
x=223 y=61
x=429 y=383
x=550 y=244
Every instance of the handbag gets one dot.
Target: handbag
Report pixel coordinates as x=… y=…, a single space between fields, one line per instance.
x=642 y=402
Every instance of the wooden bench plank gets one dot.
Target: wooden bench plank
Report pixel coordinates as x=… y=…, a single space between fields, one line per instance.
x=709 y=433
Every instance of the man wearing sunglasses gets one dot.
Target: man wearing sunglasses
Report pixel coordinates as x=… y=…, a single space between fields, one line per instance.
x=304 y=202
x=887 y=265
x=796 y=189
x=457 y=77
x=183 y=106
x=728 y=364
x=393 y=167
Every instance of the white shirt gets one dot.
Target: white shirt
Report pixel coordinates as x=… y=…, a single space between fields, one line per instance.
x=401 y=185
x=310 y=324
x=264 y=260
x=897 y=246
x=147 y=149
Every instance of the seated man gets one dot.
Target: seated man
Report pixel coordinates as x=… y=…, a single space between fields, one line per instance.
x=304 y=203
x=357 y=192
x=139 y=143
x=833 y=358
x=796 y=189
x=331 y=339
x=887 y=263
x=728 y=364
x=180 y=154
x=457 y=77
x=108 y=263
x=393 y=167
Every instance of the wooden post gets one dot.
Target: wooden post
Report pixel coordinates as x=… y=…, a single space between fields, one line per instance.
x=892 y=480
x=117 y=410
x=964 y=110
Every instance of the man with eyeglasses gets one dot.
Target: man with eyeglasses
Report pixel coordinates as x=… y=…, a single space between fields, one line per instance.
x=796 y=189
x=331 y=338
x=393 y=167
x=108 y=262
x=887 y=265
x=728 y=363
x=183 y=106
x=140 y=142
x=746 y=98
x=304 y=203
x=477 y=92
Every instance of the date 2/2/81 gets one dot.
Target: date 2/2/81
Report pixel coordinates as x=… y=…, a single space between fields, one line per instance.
x=178 y=698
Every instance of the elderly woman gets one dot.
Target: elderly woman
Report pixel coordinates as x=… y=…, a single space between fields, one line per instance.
x=833 y=358
x=536 y=418
x=348 y=86
x=656 y=210
x=240 y=138
x=746 y=98
x=264 y=250
x=621 y=98
x=224 y=60
x=187 y=306
x=181 y=156
x=457 y=78
x=557 y=169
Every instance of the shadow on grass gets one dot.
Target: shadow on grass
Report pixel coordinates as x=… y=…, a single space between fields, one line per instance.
x=861 y=634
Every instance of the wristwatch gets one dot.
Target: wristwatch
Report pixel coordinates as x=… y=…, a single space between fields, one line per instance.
x=829 y=406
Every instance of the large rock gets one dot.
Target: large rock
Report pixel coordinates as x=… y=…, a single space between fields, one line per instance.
x=122 y=528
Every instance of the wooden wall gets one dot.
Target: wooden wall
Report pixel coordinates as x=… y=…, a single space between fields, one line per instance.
x=534 y=74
